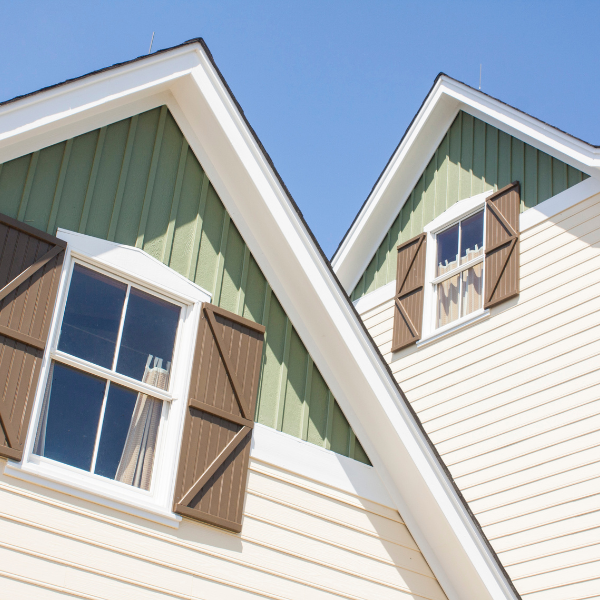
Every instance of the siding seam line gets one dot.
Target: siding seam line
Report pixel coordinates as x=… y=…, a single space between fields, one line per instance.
x=64 y=165
x=167 y=249
x=306 y=403
x=283 y=375
x=139 y=243
x=118 y=201
x=244 y=281
x=28 y=184
x=198 y=229
x=221 y=258
x=85 y=211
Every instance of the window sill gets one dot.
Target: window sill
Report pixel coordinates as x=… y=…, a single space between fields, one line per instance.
x=451 y=328
x=67 y=484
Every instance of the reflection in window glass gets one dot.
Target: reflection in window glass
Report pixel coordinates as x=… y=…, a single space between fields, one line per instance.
x=117 y=418
x=447 y=250
x=148 y=337
x=471 y=237
x=93 y=423
x=92 y=316
x=70 y=415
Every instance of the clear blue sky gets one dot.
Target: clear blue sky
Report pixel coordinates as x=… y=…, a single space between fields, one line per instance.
x=329 y=86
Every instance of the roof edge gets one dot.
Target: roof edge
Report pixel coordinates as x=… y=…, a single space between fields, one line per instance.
x=440 y=76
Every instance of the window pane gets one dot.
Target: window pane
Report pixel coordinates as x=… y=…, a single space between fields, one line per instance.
x=148 y=338
x=471 y=240
x=70 y=415
x=92 y=316
x=117 y=417
x=472 y=290
x=447 y=250
x=447 y=301
x=129 y=435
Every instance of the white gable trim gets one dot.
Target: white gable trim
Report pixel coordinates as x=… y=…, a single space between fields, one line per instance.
x=401 y=453
x=408 y=162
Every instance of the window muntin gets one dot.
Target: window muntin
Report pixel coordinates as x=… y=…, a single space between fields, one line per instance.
x=94 y=416
x=459 y=270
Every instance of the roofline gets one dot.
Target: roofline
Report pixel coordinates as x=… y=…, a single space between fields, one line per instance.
x=408 y=129
x=373 y=346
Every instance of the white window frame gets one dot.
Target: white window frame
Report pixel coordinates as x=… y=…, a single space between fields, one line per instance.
x=459 y=212
x=135 y=267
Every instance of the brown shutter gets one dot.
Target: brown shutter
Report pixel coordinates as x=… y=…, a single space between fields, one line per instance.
x=215 y=448
x=502 y=245
x=30 y=266
x=410 y=285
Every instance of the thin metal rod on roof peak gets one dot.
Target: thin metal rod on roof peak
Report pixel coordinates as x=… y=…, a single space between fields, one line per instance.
x=152 y=40
x=479 y=74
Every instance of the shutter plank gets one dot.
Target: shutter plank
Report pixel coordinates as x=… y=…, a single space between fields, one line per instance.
x=30 y=267
x=410 y=290
x=502 y=245
x=215 y=447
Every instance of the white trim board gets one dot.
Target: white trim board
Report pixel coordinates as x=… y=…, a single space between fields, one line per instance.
x=445 y=100
x=269 y=223
x=323 y=466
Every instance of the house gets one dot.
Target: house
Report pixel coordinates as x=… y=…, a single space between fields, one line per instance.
x=474 y=265
x=192 y=407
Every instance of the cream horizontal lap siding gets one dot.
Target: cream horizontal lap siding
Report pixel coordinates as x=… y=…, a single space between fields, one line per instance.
x=512 y=404
x=300 y=539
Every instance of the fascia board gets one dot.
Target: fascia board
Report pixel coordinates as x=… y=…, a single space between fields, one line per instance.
x=331 y=330
x=54 y=115
x=335 y=338
x=391 y=192
x=527 y=128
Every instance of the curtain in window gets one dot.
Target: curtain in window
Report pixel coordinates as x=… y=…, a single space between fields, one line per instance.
x=472 y=287
x=137 y=459
x=447 y=293
x=448 y=290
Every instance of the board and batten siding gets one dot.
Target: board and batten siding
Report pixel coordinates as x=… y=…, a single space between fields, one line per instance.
x=137 y=182
x=300 y=539
x=512 y=404
x=473 y=157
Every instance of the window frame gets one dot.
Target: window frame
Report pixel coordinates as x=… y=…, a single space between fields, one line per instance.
x=455 y=214
x=138 y=269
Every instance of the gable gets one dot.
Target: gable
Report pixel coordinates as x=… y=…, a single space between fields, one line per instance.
x=473 y=157
x=137 y=182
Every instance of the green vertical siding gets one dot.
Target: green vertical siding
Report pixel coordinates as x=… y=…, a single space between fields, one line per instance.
x=137 y=182
x=472 y=158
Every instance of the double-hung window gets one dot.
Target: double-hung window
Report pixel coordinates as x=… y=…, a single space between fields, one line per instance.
x=455 y=268
x=109 y=409
x=459 y=270
x=108 y=378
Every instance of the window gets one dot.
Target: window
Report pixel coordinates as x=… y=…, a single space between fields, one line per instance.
x=459 y=270
x=100 y=412
x=455 y=267
x=107 y=418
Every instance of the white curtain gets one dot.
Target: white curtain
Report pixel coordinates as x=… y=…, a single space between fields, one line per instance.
x=137 y=458
x=448 y=290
